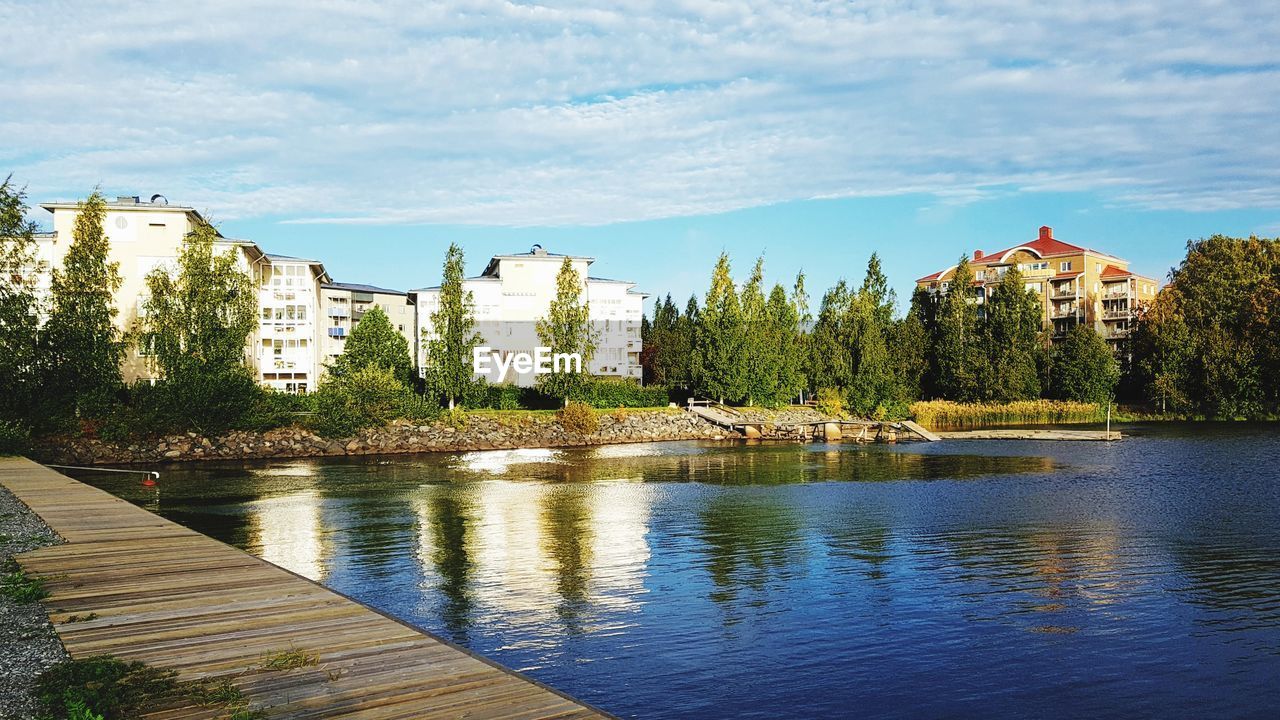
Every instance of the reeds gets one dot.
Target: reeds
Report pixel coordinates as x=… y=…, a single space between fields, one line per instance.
x=946 y=414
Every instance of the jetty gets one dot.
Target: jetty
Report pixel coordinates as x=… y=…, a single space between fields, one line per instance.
x=823 y=428
x=1030 y=434
x=136 y=586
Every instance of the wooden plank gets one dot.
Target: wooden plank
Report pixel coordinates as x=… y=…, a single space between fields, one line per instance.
x=917 y=429
x=173 y=598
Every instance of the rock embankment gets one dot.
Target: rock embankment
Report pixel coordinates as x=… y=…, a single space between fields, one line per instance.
x=478 y=431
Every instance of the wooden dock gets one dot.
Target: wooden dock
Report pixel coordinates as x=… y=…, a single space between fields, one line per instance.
x=173 y=598
x=1030 y=434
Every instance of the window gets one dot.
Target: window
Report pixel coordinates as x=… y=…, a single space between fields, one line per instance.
x=1064 y=266
x=1097 y=268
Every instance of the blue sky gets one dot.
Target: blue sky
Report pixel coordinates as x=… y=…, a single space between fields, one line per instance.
x=654 y=135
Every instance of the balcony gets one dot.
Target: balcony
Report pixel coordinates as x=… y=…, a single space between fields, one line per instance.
x=633 y=346
x=1059 y=292
x=1125 y=314
x=337 y=332
x=339 y=311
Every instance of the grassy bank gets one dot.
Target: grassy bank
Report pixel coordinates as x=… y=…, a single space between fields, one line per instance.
x=947 y=414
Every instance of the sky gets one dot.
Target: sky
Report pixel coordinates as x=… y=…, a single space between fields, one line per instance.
x=654 y=135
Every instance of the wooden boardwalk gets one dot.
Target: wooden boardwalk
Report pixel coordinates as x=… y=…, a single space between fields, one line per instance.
x=174 y=598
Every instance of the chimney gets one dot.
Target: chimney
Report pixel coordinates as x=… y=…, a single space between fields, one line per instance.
x=977 y=254
x=1046 y=232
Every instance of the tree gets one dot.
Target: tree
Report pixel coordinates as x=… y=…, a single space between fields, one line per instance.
x=909 y=350
x=760 y=375
x=19 y=316
x=830 y=363
x=1011 y=329
x=566 y=330
x=719 y=354
x=375 y=343
x=452 y=336
x=1084 y=368
x=957 y=356
x=787 y=341
x=198 y=317
x=1163 y=354
x=81 y=344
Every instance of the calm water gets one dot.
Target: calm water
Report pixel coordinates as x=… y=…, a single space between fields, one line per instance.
x=700 y=581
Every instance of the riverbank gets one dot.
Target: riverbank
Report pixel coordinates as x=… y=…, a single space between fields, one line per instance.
x=478 y=430
x=28 y=643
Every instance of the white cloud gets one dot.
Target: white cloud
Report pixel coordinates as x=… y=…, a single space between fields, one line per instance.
x=522 y=114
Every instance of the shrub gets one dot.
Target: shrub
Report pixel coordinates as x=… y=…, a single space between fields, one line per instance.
x=363 y=398
x=15 y=437
x=418 y=407
x=608 y=393
x=830 y=402
x=112 y=687
x=578 y=418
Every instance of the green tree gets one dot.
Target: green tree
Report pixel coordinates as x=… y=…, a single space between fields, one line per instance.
x=567 y=329
x=452 y=337
x=19 y=317
x=81 y=344
x=719 y=354
x=957 y=356
x=1084 y=368
x=909 y=353
x=1011 y=330
x=199 y=315
x=375 y=343
x=830 y=363
x=1164 y=354
x=760 y=375
x=786 y=339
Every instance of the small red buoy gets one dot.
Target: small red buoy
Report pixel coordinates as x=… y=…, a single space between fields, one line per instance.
x=148 y=483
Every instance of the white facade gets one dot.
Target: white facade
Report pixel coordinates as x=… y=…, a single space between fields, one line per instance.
x=515 y=291
x=288 y=348
x=342 y=306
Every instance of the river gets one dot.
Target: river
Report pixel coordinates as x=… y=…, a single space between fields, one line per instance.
x=705 y=580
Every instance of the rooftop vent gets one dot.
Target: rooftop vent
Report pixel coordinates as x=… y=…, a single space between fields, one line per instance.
x=537 y=250
x=127 y=199
x=1046 y=232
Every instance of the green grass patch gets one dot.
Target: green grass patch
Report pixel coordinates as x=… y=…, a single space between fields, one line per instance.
x=20 y=587
x=107 y=688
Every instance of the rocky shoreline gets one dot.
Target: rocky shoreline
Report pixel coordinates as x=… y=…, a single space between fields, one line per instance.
x=28 y=644
x=477 y=431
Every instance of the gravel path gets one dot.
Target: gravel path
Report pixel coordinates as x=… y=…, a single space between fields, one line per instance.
x=28 y=644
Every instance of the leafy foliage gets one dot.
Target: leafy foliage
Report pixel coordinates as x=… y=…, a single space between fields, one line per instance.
x=452 y=336
x=366 y=397
x=81 y=345
x=1084 y=368
x=1010 y=330
x=375 y=343
x=567 y=329
x=19 y=319
x=578 y=418
x=15 y=437
x=719 y=348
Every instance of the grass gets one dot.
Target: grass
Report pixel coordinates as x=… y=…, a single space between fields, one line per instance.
x=946 y=414
x=289 y=659
x=112 y=689
x=20 y=587
x=80 y=618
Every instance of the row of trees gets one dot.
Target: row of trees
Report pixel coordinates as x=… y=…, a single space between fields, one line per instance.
x=741 y=346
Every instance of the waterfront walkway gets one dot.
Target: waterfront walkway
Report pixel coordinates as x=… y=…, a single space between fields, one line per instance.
x=157 y=592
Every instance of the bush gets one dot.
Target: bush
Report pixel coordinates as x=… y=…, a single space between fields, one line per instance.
x=418 y=408
x=274 y=409
x=15 y=437
x=830 y=402
x=368 y=397
x=578 y=418
x=112 y=687
x=607 y=393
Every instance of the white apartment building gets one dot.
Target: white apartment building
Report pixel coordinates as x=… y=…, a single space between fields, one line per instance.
x=288 y=354
x=515 y=291
x=147 y=234
x=345 y=303
x=143 y=235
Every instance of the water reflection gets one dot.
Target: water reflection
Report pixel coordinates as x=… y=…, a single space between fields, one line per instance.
x=701 y=580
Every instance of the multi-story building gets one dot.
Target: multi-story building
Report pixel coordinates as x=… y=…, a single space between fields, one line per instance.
x=143 y=235
x=345 y=303
x=515 y=291
x=1076 y=285
x=288 y=346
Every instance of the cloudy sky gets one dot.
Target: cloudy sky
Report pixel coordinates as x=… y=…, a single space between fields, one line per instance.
x=652 y=135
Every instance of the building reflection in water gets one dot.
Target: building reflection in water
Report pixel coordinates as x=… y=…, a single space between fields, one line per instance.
x=288 y=528
x=553 y=559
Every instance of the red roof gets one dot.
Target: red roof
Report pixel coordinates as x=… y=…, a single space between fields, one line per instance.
x=1066 y=276
x=1114 y=273
x=1043 y=247
x=931 y=278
